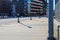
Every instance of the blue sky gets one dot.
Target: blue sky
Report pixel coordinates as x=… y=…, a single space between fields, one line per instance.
x=53 y=4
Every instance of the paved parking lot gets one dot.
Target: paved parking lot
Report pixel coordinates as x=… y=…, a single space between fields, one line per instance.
x=36 y=29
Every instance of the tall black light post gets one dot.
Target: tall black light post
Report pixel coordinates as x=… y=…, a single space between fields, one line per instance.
x=50 y=20
x=18 y=13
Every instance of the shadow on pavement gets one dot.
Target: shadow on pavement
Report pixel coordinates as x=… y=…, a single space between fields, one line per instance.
x=26 y=25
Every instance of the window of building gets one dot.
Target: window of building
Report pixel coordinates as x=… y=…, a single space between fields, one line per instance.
x=24 y=10
x=17 y=0
x=11 y=0
x=41 y=9
x=25 y=6
x=25 y=0
x=25 y=3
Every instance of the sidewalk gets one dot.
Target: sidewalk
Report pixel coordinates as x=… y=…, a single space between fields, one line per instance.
x=21 y=31
x=56 y=24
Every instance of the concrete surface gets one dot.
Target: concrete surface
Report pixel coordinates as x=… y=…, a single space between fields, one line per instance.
x=56 y=24
x=11 y=30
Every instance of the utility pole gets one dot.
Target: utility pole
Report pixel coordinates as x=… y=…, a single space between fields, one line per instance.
x=50 y=20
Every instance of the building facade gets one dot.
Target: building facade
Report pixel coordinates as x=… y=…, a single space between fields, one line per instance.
x=24 y=7
x=57 y=11
x=5 y=7
x=36 y=7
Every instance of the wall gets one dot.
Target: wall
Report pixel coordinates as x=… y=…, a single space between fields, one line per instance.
x=57 y=11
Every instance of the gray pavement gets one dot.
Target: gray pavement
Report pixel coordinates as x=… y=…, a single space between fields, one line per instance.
x=11 y=30
x=56 y=24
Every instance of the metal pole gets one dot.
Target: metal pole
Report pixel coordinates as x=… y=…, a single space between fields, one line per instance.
x=51 y=27
x=18 y=18
x=30 y=17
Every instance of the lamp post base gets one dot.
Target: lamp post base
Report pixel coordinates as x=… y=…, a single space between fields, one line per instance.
x=30 y=19
x=18 y=21
x=51 y=38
